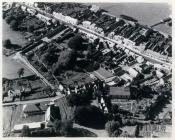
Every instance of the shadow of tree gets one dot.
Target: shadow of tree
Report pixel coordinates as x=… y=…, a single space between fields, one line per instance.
x=81 y=132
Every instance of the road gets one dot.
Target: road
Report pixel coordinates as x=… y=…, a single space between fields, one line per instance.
x=143 y=54
x=33 y=101
x=22 y=59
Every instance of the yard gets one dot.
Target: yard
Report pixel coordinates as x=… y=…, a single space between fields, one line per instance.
x=70 y=77
x=25 y=89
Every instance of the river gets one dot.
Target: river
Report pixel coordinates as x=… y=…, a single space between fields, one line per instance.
x=145 y=13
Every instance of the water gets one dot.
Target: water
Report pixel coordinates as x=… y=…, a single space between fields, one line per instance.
x=10 y=66
x=145 y=13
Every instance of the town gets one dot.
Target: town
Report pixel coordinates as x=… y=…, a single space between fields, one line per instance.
x=90 y=73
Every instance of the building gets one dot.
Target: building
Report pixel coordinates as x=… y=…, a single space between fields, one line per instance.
x=104 y=75
x=59 y=16
x=95 y=8
x=86 y=24
x=37 y=116
x=71 y=20
x=119 y=92
x=44 y=18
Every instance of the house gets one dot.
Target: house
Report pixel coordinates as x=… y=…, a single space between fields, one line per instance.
x=126 y=77
x=71 y=20
x=132 y=72
x=44 y=18
x=24 y=8
x=86 y=24
x=59 y=16
x=159 y=74
x=94 y=8
x=31 y=11
x=104 y=75
x=119 y=92
x=37 y=115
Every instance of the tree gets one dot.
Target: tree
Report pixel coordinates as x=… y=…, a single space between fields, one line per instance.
x=9 y=19
x=63 y=128
x=65 y=61
x=66 y=128
x=89 y=116
x=79 y=99
x=14 y=25
x=111 y=126
x=73 y=99
x=25 y=131
x=114 y=108
x=116 y=133
x=30 y=28
x=49 y=57
x=7 y=43
x=4 y=15
x=137 y=131
x=76 y=42
x=57 y=126
x=20 y=72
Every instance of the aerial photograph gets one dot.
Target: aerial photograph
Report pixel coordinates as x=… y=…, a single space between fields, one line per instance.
x=74 y=69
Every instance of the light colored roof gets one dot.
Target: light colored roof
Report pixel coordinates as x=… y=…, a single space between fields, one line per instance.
x=103 y=74
x=119 y=91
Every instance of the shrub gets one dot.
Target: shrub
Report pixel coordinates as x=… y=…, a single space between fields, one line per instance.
x=116 y=133
x=112 y=126
x=9 y=19
x=25 y=131
x=7 y=43
x=49 y=132
x=63 y=128
x=76 y=42
x=14 y=25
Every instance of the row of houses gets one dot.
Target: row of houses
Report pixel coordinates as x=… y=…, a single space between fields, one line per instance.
x=67 y=19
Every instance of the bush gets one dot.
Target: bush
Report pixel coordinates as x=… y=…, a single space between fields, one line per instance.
x=115 y=108
x=73 y=99
x=25 y=131
x=7 y=43
x=116 y=133
x=4 y=15
x=112 y=126
x=89 y=116
x=14 y=25
x=76 y=42
x=9 y=19
x=49 y=132
x=65 y=61
x=30 y=28
x=63 y=128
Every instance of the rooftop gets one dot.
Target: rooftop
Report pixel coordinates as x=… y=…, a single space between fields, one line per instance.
x=119 y=91
x=102 y=74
